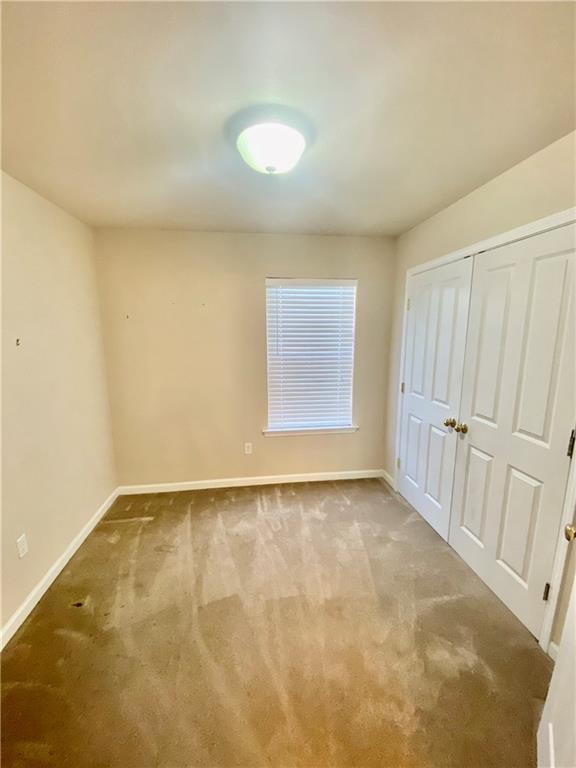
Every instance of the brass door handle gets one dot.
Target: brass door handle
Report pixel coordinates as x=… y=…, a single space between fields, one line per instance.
x=570 y=532
x=461 y=428
x=450 y=422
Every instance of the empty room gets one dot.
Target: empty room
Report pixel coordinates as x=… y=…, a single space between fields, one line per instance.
x=288 y=400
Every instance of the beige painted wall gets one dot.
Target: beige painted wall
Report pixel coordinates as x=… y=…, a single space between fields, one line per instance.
x=184 y=317
x=57 y=449
x=541 y=185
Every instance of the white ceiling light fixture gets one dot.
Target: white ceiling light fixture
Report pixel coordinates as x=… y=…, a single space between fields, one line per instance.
x=270 y=139
x=271 y=147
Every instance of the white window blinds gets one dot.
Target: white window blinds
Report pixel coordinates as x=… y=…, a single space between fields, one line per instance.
x=310 y=329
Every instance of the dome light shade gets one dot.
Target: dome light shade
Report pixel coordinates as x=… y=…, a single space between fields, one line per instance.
x=271 y=147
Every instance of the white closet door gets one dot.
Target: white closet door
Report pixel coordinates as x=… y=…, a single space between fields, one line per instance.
x=433 y=358
x=518 y=403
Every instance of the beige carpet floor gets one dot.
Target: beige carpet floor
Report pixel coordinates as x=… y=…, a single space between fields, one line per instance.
x=289 y=626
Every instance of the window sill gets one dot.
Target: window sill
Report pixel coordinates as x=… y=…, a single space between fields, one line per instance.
x=311 y=431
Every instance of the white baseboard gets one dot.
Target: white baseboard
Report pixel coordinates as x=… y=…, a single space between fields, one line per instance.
x=21 y=614
x=234 y=482
x=553 y=650
x=389 y=479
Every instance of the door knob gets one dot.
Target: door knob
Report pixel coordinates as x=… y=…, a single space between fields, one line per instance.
x=570 y=532
x=450 y=422
x=461 y=428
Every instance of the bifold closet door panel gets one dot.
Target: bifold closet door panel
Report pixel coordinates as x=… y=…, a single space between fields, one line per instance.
x=437 y=313
x=518 y=403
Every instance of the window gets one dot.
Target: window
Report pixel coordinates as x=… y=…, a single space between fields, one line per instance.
x=310 y=331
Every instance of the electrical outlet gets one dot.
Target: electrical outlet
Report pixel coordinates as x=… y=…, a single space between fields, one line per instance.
x=22 y=544
x=247 y=448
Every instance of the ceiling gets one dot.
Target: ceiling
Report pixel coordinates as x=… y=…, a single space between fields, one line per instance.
x=117 y=111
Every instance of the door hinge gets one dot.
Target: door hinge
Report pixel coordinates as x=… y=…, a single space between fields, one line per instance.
x=398 y=462
x=407 y=305
x=546 y=591
x=402 y=387
x=571 y=441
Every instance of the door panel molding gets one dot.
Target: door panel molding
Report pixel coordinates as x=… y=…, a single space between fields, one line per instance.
x=530 y=468
x=546 y=224
x=435 y=345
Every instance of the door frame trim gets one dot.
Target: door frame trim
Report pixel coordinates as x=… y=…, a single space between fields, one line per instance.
x=559 y=563
x=538 y=227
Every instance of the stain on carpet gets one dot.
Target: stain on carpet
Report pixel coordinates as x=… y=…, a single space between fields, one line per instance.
x=293 y=626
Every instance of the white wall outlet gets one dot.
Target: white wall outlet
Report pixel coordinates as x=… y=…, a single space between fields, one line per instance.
x=22 y=544
x=247 y=448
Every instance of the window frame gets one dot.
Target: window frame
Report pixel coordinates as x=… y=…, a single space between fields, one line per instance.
x=323 y=430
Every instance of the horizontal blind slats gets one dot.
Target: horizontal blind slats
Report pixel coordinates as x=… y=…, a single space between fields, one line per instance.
x=310 y=340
